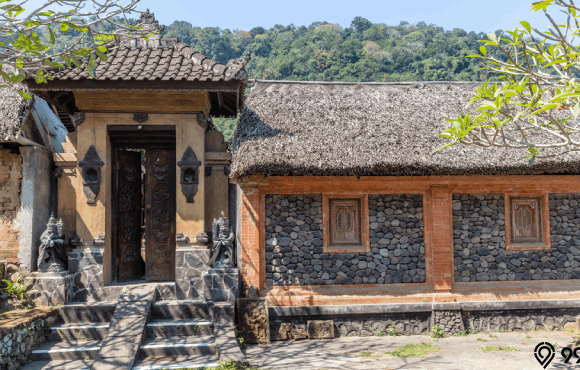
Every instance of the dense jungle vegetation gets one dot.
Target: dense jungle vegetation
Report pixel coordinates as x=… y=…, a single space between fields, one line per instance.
x=364 y=51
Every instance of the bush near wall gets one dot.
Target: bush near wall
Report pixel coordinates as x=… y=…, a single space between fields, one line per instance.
x=20 y=332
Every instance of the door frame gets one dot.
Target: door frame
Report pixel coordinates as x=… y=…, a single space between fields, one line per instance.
x=134 y=137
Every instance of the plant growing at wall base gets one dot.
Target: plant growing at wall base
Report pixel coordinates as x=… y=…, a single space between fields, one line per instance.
x=437 y=332
x=16 y=290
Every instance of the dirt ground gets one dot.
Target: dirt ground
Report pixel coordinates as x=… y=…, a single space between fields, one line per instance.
x=462 y=352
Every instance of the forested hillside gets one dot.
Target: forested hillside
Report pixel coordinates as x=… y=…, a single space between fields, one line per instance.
x=327 y=52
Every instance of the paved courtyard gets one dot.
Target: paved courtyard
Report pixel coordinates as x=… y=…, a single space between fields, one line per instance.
x=462 y=352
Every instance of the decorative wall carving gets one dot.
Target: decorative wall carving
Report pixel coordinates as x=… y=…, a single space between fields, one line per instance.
x=254 y=320
x=141 y=117
x=91 y=166
x=320 y=329
x=189 y=165
x=526 y=215
x=180 y=238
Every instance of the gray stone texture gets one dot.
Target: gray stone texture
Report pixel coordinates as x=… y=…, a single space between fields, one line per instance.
x=34 y=203
x=360 y=325
x=86 y=274
x=520 y=320
x=50 y=290
x=479 y=241
x=294 y=247
x=17 y=343
x=221 y=284
x=190 y=266
x=450 y=321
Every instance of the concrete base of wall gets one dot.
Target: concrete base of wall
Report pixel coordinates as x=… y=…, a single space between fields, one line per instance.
x=388 y=319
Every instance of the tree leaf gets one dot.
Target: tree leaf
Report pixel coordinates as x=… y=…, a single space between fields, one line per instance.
x=51 y=35
x=63 y=27
x=24 y=94
x=526 y=26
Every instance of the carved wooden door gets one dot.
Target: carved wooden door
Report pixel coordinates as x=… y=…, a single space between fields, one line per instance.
x=160 y=215
x=130 y=265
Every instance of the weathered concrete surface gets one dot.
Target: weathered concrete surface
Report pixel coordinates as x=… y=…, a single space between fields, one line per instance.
x=34 y=203
x=458 y=353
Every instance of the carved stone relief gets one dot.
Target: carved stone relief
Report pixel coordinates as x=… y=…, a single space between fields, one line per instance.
x=321 y=329
x=91 y=166
x=189 y=178
x=254 y=320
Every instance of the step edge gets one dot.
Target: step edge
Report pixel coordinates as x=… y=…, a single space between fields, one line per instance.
x=178 y=323
x=180 y=366
x=180 y=345
x=84 y=326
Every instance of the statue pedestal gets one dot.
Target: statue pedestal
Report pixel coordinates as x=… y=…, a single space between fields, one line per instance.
x=49 y=288
x=221 y=284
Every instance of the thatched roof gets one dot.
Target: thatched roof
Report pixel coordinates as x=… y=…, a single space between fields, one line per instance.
x=366 y=129
x=12 y=110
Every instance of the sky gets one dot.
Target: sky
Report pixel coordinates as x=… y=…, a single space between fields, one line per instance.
x=470 y=15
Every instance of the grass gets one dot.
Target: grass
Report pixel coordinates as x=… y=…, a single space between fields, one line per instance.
x=365 y=354
x=482 y=340
x=414 y=350
x=495 y=349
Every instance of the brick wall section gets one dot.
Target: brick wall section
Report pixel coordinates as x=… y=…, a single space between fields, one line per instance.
x=480 y=235
x=253 y=254
x=10 y=185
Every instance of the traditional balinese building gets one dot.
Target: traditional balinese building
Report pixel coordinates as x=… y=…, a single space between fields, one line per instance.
x=147 y=168
x=140 y=186
x=30 y=131
x=346 y=216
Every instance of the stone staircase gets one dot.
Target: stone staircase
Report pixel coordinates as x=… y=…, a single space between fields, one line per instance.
x=130 y=334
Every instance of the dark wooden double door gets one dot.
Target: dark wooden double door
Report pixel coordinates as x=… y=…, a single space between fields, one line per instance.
x=145 y=200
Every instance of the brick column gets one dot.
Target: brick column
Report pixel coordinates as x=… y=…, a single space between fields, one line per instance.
x=252 y=255
x=442 y=237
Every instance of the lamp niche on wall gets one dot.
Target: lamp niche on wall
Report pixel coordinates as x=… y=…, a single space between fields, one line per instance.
x=189 y=165
x=91 y=167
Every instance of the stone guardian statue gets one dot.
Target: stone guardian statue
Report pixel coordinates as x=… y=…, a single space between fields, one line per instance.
x=52 y=254
x=223 y=247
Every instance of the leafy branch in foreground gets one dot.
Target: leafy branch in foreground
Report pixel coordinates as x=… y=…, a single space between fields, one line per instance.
x=536 y=105
x=24 y=54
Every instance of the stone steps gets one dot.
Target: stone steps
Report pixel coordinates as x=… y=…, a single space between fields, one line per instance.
x=180 y=310
x=177 y=328
x=192 y=362
x=76 y=313
x=74 y=332
x=77 y=350
x=60 y=365
x=166 y=347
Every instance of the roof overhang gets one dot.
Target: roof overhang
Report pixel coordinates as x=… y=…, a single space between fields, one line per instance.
x=227 y=96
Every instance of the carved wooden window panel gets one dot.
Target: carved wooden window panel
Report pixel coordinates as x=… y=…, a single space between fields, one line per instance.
x=345 y=222
x=525 y=220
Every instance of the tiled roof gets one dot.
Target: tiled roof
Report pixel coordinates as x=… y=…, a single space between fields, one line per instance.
x=164 y=63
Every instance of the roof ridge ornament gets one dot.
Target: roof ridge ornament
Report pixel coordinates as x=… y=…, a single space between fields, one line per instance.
x=148 y=22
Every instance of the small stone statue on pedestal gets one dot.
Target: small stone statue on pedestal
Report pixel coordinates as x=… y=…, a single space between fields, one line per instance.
x=223 y=247
x=52 y=254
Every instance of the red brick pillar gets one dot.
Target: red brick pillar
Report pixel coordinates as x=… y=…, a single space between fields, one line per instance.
x=252 y=255
x=442 y=237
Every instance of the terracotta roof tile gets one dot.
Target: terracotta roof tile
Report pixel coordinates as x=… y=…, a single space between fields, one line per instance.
x=163 y=63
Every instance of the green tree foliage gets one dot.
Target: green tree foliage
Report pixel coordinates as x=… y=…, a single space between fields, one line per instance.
x=535 y=108
x=365 y=51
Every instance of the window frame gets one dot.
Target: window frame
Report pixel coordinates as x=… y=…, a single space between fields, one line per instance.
x=543 y=223
x=365 y=247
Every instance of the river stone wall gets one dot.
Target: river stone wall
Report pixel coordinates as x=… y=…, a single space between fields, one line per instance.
x=479 y=241
x=21 y=332
x=294 y=246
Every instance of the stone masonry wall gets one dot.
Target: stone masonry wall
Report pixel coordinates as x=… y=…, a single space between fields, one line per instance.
x=10 y=179
x=294 y=251
x=479 y=242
